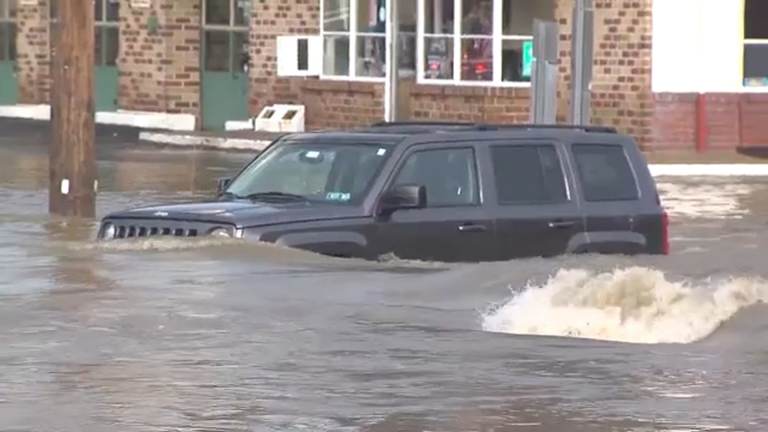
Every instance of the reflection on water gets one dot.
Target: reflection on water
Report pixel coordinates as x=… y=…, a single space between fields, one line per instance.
x=711 y=201
x=211 y=335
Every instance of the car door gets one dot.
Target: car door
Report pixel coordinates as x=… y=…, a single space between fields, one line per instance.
x=611 y=196
x=536 y=212
x=455 y=225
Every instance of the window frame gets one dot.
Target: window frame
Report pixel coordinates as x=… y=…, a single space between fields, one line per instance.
x=578 y=173
x=497 y=37
x=568 y=199
x=352 y=35
x=745 y=42
x=479 y=199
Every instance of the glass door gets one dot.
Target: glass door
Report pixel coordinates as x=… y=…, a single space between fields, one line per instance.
x=225 y=61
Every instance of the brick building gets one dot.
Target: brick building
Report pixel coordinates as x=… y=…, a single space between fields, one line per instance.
x=674 y=73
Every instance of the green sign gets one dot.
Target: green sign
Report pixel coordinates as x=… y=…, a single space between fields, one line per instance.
x=527 y=58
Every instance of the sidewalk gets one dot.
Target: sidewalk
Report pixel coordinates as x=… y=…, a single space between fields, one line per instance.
x=718 y=163
x=224 y=140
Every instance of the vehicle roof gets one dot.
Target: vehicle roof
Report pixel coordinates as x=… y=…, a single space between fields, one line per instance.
x=393 y=133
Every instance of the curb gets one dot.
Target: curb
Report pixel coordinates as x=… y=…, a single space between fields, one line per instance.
x=709 y=170
x=218 y=143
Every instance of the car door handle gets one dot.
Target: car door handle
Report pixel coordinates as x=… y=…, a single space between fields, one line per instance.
x=561 y=224
x=470 y=228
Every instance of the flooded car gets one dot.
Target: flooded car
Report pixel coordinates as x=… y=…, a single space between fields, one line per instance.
x=432 y=192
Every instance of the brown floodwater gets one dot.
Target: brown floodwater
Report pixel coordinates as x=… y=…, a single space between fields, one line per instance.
x=171 y=335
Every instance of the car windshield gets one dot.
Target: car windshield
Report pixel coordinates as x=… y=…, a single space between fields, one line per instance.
x=329 y=173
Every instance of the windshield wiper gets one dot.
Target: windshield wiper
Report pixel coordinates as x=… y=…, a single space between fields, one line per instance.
x=279 y=196
x=230 y=195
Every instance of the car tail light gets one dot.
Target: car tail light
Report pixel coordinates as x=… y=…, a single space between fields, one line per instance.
x=665 y=233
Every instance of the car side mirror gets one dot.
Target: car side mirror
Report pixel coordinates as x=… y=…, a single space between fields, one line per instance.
x=222 y=184
x=403 y=197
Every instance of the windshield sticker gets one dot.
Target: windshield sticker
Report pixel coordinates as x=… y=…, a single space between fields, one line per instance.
x=381 y=152
x=312 y=154
x=338 y=196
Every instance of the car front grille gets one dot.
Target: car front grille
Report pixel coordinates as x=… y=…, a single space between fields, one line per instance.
x=131 y=231
x=128 y=229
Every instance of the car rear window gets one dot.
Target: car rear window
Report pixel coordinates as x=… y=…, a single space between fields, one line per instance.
x=605 y=173
x=528 y=174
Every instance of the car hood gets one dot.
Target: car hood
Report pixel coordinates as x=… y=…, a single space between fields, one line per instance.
x=242 y=213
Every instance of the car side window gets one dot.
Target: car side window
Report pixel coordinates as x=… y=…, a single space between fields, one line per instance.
x=449 y=175
x=605 y=173
x=528 y=174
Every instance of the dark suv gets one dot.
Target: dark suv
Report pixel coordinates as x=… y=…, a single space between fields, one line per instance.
x=442 y=192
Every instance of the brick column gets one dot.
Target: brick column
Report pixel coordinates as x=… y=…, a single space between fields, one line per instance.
x=621 y=86
x=622 y=94
x=33 y=60
x=563 y=12
x=160 y=57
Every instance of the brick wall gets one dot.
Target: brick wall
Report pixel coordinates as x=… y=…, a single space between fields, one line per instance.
x=621 y=87
x=338 y=104
x=470 y=104
x=754 y=120
x=731 y=121
x=674 y=121
x=160 y=70
x=34 y=68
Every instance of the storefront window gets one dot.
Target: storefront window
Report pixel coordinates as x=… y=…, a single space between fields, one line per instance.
x=354 y=38
x=336 y=55
x=438 y=17
x=336 y=15
x=491 y=44
x=407 y=11
x=477 y=17
x=756 y=43
x=477 y=40
x=438 y=52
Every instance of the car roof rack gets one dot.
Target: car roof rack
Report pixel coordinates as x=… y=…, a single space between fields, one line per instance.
x=436 y=126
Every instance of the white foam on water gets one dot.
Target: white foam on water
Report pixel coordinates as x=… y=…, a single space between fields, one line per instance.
x=158 y=244
x=633 y=305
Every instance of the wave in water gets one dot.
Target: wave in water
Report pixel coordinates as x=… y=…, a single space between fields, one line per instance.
x=158 y=244
x=634 y=305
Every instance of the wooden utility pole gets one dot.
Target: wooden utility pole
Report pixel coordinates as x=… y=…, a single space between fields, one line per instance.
x=72 y=165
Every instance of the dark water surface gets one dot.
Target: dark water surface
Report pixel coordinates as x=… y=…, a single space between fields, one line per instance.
x=180 y=336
